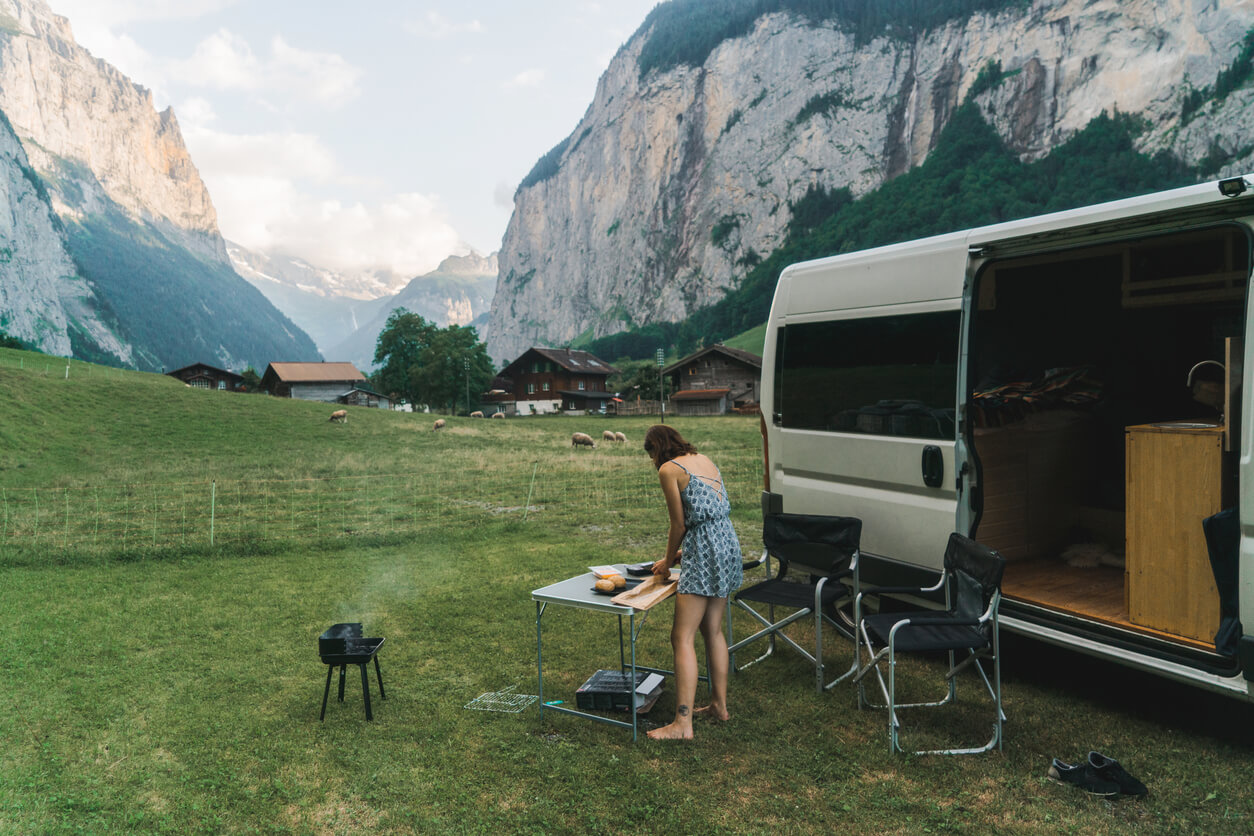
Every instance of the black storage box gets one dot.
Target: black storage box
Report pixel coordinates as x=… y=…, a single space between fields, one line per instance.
x=611 y=691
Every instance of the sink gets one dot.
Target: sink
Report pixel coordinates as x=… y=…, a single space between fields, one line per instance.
x=1185 y=425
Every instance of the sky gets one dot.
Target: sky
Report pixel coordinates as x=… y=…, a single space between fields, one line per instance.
x=380 y=133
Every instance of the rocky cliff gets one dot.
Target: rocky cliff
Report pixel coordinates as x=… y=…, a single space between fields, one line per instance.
x=43 y=300
x=675 y=181
x=149 y=283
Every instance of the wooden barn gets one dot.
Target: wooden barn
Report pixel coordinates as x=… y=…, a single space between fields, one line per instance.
x=715 y=380
x=362 y=396
x=311 y=381
x=548 y=380
x=204 y=376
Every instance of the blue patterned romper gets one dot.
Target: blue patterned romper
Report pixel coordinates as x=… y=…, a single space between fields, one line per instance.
x=711 y=562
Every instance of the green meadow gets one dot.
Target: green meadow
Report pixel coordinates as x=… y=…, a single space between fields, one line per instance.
x=169 y=556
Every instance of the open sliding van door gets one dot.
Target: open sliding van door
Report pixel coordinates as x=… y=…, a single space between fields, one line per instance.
x=860 y=395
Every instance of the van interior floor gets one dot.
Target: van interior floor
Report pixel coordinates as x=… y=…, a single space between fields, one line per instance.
x=1095 y=593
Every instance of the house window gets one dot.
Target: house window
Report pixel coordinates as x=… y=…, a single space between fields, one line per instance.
x=582 y=386
x=222 y=385
x=531 y=388
x=546 y=386
x=198 y=383
x=692 y=370
x=570 y=405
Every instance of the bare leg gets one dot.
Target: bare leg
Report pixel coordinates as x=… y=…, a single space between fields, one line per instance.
x=689 y=610
x=716 y=657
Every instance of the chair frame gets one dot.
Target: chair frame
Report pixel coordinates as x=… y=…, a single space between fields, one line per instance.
x=987 y=621
x=773 y=629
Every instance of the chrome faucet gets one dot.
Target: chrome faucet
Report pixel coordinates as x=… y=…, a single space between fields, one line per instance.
x=1207 y=392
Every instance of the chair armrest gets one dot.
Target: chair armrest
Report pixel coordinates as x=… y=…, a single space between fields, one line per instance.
x=889 y=590
x=753 y=564
x=942 y=621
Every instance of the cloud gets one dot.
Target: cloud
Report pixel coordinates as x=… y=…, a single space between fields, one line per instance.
x=436 y=27
x=527 y=78
x=503 y=194
x=225 y=61
x=271 y=194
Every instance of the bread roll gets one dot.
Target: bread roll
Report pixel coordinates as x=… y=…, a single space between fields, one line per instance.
x=605 y=585
x=619 y=581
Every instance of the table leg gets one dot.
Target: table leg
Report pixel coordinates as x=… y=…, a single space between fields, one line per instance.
x=631 y=701
x=539 y=659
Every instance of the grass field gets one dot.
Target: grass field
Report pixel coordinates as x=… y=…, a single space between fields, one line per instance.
x=169 y=686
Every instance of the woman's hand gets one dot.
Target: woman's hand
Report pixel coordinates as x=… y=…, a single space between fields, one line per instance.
x=663 y=566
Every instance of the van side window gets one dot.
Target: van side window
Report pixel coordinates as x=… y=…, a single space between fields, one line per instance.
x=893 y=375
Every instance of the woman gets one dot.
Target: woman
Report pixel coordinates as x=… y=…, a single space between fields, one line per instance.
x=701 y=530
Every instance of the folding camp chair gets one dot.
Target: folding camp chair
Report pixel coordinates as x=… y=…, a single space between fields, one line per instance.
x=824 y=551
x=971 y=581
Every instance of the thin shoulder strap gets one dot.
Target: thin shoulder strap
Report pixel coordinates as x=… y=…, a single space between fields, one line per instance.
x=681 y=467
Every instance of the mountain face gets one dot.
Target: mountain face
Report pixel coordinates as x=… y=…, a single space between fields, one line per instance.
x=458 y=292
x=150 y=283
x=43 y=300
x=675 y=181
x=344 y=313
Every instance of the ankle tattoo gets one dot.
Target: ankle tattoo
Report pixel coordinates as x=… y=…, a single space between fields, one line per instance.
x=683 y=711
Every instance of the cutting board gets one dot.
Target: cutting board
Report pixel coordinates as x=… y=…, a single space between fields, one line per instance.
x=653 y=589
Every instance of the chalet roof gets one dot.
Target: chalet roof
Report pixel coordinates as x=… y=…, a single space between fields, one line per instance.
x=699 y=394
x=579 y=362
x=207 y=368
x=748 y=358
x=315 y=372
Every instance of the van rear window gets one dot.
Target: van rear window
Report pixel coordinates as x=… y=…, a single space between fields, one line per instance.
x=894 y=375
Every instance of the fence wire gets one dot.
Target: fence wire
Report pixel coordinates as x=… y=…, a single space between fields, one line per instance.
x=64 y=523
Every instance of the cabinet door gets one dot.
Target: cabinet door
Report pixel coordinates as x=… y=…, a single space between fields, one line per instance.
x=1174 y=481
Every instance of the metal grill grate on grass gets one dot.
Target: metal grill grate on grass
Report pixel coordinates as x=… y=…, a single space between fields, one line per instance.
x=504 y=701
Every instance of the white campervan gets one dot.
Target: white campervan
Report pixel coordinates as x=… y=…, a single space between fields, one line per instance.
x=1067 y=389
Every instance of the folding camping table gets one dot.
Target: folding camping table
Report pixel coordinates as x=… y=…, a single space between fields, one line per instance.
x=578 y=592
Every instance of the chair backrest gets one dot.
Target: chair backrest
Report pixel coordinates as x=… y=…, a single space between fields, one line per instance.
x=821 y=544
x=975 y=573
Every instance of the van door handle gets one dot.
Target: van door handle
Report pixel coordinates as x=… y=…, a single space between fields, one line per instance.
x=933 y=466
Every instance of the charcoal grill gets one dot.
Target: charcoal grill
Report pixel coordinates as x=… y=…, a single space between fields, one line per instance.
x=343 y=645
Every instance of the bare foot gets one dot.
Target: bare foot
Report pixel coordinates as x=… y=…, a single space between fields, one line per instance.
x=671 y=731
x=712 y=712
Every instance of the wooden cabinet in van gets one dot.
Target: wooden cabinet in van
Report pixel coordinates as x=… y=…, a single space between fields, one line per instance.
x=1175 y=479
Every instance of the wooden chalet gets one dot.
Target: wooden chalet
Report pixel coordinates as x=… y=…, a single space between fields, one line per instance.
x=311 y=381
x=362 y=396
x=715 y=380
x=204 y=376
x=548 y=380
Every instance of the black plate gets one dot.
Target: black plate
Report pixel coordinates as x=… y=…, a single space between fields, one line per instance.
x=632 y=583
x=640 y=569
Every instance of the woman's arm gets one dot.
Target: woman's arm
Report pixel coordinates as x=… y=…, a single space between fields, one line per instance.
x=668 y=475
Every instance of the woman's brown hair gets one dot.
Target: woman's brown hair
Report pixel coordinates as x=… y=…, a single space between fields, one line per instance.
x=664 y=443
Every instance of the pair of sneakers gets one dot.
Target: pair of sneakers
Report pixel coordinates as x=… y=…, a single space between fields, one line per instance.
x=1099 y=775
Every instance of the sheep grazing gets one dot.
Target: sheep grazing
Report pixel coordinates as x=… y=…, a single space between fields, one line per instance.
x=582 y=440
x=439 y=422
x=608 y=435
x=620 y=438
x=498 y=414
x=476 y=414
x=340 y=415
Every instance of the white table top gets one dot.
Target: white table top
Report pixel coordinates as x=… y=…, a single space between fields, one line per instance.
x=579 y=592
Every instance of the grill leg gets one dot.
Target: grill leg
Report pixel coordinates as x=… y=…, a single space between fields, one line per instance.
x=342 y=669
x=365 y=690
x=326 y=692
x=379 y=676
